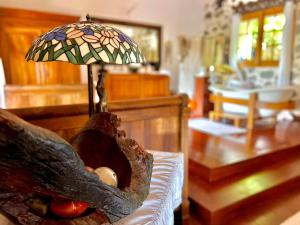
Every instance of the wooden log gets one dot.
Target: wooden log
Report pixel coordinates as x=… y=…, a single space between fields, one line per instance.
x=37 y=162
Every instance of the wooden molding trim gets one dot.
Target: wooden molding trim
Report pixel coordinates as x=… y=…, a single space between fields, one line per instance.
x=114 y=106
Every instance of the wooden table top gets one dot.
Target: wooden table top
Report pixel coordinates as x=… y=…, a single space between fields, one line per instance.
x=213 y=151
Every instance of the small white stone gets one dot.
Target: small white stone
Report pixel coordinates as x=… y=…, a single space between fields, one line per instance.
x=107 y=176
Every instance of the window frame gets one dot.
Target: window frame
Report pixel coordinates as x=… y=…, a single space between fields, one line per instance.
x=260 y=15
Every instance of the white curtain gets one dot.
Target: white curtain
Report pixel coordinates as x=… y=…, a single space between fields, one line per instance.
x=190 y=67
x=2 y=86
x=285 y=64
x=234 y=39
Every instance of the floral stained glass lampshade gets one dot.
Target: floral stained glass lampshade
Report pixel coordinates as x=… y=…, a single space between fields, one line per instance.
x=85 y=43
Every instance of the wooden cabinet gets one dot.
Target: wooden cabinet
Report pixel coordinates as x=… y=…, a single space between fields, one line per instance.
x=18 y=28
x=136 y=86
x=201 y=97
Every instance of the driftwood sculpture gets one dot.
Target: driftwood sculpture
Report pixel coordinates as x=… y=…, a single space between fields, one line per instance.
x=35 y=162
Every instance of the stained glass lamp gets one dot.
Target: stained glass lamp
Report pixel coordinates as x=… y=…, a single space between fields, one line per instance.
x=85 y=43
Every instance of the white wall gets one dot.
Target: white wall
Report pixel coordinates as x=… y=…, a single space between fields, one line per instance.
x=177 y=17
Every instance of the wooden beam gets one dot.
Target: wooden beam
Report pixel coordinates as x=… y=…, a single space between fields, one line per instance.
x=251 y=111
x=213 y=98
x=276 y=105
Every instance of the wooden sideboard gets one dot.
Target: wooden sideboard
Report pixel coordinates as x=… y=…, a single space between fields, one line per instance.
x=201 y=97
x=136 y=86
x=18 y=96
x=118 y=87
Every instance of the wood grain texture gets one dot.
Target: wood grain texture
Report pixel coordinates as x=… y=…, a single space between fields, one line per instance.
x=136 y=86
x=23 y=96
x=218 y=157
x=274 y=211
x=232 y=179
x=201 y=97
x=18 y=29
x=118 y=87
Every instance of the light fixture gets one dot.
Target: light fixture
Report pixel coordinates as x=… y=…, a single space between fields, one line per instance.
x=86 y=43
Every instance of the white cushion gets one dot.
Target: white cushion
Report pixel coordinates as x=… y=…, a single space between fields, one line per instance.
x=165 y=192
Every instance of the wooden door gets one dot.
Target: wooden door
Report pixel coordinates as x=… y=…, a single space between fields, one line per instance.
x=14 y=44
x=18 y=28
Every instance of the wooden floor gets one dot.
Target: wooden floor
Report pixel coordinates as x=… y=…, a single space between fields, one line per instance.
x=253 y=178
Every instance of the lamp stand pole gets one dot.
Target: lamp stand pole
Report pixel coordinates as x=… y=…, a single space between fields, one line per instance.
x=90 y=83
x=91 y=91
x=102 y=104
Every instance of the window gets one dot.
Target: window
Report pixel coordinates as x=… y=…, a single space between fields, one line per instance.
x=248 y=40
x=260 y=37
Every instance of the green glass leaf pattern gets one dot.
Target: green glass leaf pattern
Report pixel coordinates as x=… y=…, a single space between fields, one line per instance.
x=94 y=53
x=85 y=43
